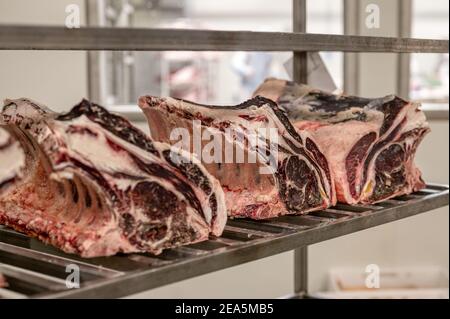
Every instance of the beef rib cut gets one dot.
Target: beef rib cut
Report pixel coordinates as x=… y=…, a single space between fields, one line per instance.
x=280 y=172
x=3 y=282
x=95 y=185
x=12 y=159
x=369 y=143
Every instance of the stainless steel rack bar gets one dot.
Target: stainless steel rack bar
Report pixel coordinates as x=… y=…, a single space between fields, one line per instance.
x=36 y=270
x=134 y=39
x=300 y=75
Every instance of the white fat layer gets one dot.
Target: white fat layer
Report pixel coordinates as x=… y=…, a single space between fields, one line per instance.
x=236 y=122
x=4 y=136
x=416 y=118
x=337 y=140
x=12 y=158
x=224 y=115
x=61 y=175
x=124 y=184
x=261 y=197
x=96 y=151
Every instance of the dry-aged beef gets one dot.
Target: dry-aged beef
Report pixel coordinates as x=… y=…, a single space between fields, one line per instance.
x=12 y=165
x=95 y=185
x=3 y=282
x=282 y=172
x=12 y=158
x=369 y=143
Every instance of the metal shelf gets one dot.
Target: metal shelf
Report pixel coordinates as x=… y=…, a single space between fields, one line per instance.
x=133 y=39
x=36 y=270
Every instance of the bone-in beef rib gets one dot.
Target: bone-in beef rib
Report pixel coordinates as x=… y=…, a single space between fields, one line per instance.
x=280 y=171
x=12 y=159
x=3 y=282
x=369 y=143
x=95 y=185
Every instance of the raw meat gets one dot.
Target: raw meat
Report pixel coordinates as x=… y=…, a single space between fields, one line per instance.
x=95 y=185
x=3 y=282
x=280 y=172
x=12 y=159
x=369 y=143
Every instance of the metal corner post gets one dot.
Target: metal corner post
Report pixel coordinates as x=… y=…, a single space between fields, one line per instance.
x=404 y=31
x=300 y=75
x=93 y=57
x=351 y=59
x=299 y=25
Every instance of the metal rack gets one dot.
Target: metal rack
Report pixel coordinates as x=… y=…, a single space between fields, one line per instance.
x=134 y=39
x=36 y=270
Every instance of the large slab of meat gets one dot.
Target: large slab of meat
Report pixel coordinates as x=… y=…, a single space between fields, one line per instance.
x=369 y=143
x=283 y=173
x=3 y=282
x=12 y=165
x=12 y=159
x=90 y=183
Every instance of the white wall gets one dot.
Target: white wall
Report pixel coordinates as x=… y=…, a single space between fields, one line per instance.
x=59 y=79
x=55 y=78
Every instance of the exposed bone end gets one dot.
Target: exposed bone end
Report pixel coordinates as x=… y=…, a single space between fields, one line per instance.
x=12 y=158
x=3 y=282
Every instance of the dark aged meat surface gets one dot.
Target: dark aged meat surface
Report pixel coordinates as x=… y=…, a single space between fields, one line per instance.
x=369 y=143
x=90 y=183
x=3 y=282
x=290 y=174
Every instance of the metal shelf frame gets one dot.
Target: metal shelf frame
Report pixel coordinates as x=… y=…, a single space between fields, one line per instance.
x=36 y=270
x=134 y=39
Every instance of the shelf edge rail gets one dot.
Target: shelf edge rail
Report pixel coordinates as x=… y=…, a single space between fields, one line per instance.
x=436 y=196
x=20 y=37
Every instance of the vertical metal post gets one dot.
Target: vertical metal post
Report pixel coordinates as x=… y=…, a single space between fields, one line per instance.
x=351 y=60
x=300 y=75
x=404 y=13
x=93 y=69
x=299 y=25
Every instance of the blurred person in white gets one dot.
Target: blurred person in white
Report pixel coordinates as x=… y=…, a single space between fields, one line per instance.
x=429 y=72
x=430 y=81
x=252 y=68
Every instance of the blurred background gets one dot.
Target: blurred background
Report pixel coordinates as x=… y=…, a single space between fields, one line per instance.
x=115 y=79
